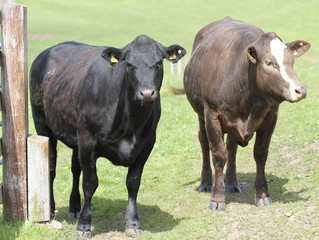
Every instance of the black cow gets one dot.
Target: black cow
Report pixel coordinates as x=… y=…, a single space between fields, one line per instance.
x=101 y=102
x=235 y=80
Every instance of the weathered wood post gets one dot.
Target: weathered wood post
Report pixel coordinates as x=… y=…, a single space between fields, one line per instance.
x=38 y=179
x=15 y=110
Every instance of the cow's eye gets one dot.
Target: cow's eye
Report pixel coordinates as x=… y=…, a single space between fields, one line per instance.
x=270 y=64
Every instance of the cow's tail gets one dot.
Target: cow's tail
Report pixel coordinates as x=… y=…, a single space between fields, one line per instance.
x=177 y=91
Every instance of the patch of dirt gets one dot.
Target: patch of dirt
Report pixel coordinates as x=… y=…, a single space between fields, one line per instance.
x=235 y=233
x=312 y=146
x=111 y=236
x=294 y=155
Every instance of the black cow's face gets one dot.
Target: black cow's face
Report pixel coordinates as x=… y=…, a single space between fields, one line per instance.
x=144 y=65
x=275 y=74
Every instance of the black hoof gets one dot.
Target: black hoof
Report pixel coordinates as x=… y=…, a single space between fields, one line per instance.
x=84 y=231
x=73 y=215
x=205 y=189
x=233 y=189
x=217 y=206
x=263 y=201
x=83 y=234
x=133 y=232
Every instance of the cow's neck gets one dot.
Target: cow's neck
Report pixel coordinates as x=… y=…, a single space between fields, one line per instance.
x=251 y=106
x=245 y=93
x=130 y=117
x=139 y=113
x=242 y=123
x=243 y=114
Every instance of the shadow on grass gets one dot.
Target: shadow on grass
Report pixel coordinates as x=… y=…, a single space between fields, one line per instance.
x=109 y=216
x=276 y=188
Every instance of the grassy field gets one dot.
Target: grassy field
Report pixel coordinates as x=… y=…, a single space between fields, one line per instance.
x=169 y=204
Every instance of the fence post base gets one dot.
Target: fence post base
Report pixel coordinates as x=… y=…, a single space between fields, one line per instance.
x=38 y=179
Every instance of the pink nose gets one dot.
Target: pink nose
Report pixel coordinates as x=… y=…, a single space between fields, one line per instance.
x=147 y=95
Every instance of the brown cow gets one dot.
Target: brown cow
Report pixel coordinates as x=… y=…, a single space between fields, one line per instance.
x=235 y=80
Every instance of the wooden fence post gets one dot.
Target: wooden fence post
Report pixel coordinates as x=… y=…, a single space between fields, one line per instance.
x=15 y=110
x=38 y=179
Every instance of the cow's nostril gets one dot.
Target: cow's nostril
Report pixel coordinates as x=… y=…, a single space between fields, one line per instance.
x=298 y=92
x=147 y=95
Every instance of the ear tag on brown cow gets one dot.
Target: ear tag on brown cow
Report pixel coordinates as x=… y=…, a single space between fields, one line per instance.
x=172 y=57
x=113 y=61
x=249 y=57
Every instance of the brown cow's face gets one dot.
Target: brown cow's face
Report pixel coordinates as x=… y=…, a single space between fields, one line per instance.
x=275 y=74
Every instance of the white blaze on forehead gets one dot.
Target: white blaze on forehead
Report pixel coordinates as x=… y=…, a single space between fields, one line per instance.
x=277 y=49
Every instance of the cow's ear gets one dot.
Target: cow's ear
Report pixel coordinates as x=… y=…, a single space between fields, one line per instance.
x=112 y=55
x=174 y=53
x=251 y=54
x=298 y=47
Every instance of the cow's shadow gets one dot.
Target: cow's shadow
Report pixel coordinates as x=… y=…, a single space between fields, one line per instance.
x=109 y=216
x=276 y=187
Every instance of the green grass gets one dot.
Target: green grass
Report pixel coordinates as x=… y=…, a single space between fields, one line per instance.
x=169 y=205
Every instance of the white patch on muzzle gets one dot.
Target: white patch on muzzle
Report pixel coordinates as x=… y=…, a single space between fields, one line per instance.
x=277 y=49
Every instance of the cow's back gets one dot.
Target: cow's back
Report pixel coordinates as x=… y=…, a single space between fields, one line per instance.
x=218 y=55
x=226 y=31
x=68 y=79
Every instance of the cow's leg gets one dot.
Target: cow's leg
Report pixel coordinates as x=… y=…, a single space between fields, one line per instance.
x=87 y=158
x=75 y=198
x=261 y=147
x=133 y=181
x=52 y=166
x=218 y=149
x=231 y=174
x=43 y=130
x=206 y=176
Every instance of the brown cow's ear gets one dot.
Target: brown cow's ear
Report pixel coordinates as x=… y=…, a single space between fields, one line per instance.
x=298 y=47
x=112 y=55
x=174 y=53
x=251 y=54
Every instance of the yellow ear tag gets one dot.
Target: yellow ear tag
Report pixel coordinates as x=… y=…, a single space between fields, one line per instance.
x=113 y=60
x=172 y=57
x=249 y=57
